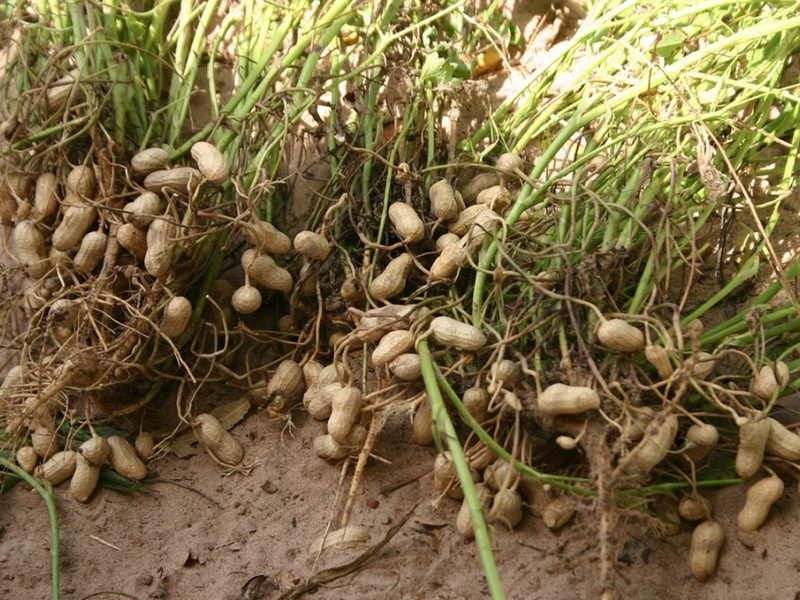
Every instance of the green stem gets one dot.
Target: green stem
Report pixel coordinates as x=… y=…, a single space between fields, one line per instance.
x=443 y=422
x=45 y=490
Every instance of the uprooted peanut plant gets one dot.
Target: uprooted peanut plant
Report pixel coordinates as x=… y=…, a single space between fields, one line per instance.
x=565 y=295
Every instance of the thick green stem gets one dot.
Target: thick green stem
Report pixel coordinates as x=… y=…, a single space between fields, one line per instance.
x=442 y=421
x=45 y=490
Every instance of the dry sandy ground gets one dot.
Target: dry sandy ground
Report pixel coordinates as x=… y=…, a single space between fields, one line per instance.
x=208 y=541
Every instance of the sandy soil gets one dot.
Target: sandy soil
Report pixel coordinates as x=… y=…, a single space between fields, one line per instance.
x=202 y=534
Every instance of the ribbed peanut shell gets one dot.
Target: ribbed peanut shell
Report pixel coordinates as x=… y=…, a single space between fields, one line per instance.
x=707 y=539
x=480 y=182
x=407 y=223
x=558 y=512
x=695 y=508
x=44 y=439
x=133 y=239
x=345 y=406
x=221 y=444
x=753 y=436
x=211 y=162
x=422 y=425
x=287 y=382
x=264 y=236
x=476 y=401
x=445 y=240
x=318 y=400
x=701 y=365
x=45 y=197
x=704 y=438
x=91 y=252
x=765 y=384
x=506 y=508
x=84 y=479
x=781 y=442
x=406 y=367
x=444 y=471
x=659 y=358
x=81 y=182
x=760 y=497
x=58 y=467
x=246 y=299
x=123 y=458
x=392 y=345
x=149 y=161
x=655 y=446
x=76 y=221
x=27 y=458
x=180 y=180
x=560 y=399
x=28 y=246
x=145 y=445
x=262 y=269
x=161 y=239
x=460 y=226
x=143 y=209
x=326 y=447
x=618 y=334
x=392 y=281
x=312 y=245
x=443 y=200
x=95 y=450
x=450 y=332
x=311 y=371
x=509 y=162
x=464 y=523
x=496 y=198
x=451 y=259
x=177 y=313
x=62 y=89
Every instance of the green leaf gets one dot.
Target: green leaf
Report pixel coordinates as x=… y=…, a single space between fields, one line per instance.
x=436 y=70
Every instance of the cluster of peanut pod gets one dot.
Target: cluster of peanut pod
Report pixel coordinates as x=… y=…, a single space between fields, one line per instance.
x=654 y=439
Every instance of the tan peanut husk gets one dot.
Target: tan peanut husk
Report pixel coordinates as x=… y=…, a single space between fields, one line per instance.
x=177 y=313
x=422 y=425
x=464 y=523
x=753 y=436
x=655 y=445
x=161 y=240
x=150 y=160
x=220 y=443
x=123 y=458
x=707 y=539
x=451 y=332
x=312 y=245
x=59 y=467
x=180 y=180
x=760 y=497
x=407 y=223
x=133 y=239
x=246 y=299
x=345 y=407
x=443 y=200
x=27 y=458
x=392 y=280
x=84 y=479
x=618 y=334
x=211 y=162
x=561 y=399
